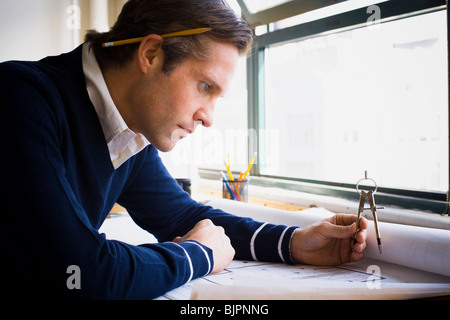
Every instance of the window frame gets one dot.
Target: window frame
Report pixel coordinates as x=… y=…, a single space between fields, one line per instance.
x=433 y=202
x=282 y=11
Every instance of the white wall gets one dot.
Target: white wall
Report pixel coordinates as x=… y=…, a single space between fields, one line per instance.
x=33 y=29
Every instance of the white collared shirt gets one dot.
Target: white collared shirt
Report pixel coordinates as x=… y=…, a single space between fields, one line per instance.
x=122 y=142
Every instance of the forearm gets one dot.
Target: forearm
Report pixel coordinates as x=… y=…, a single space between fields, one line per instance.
x=254 y=240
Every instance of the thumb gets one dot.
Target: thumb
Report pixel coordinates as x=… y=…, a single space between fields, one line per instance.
x=341 y=232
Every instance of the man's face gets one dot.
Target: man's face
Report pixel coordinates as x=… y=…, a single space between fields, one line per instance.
x=168 y=107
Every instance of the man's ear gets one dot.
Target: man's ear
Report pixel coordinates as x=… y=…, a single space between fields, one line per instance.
x=149 y=52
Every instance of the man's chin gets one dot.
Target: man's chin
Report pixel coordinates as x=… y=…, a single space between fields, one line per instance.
x=165 y=147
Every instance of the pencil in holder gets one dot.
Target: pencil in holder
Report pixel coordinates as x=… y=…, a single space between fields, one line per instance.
x=235 y=190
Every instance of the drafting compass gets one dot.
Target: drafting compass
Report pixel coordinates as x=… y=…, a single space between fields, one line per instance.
x=368 y=196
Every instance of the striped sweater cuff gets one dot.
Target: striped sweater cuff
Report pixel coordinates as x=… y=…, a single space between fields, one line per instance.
x=198 y=257
x=272 y=243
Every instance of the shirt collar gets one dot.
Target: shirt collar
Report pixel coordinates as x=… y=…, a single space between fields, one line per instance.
x=122 y=142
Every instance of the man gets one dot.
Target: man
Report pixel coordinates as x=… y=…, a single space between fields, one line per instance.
x=84 y=130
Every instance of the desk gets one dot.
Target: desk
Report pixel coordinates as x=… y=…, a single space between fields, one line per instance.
x=253 y=280
x=249 y=280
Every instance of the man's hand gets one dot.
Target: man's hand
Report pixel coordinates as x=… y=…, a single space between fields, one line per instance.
x=330 y=241
x=213 y=237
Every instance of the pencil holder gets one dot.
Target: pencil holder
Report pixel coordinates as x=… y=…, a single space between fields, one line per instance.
x=235 y=190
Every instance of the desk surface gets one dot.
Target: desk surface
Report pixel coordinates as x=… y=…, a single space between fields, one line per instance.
x=249 y=280
x=241 y=280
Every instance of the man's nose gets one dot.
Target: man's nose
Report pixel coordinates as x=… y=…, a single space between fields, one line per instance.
x=205 y=116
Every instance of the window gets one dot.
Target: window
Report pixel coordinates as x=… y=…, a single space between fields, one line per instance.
x=333 y=97
x=366 y=99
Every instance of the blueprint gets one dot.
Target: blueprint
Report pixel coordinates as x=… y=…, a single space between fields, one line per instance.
x=421 y=248
x=370 y=279
x=414 y=264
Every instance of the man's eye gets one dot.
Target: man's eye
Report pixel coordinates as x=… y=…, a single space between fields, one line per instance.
x=205 y=87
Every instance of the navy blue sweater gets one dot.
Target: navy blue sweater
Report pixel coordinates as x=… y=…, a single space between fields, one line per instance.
x=59 y=185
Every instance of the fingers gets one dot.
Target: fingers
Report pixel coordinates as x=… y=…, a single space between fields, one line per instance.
x=213 y=237
x=359 y=242
x=207 y=223
x=358 y=248
x=204 y=223
x=338 y=231
x=361 y=236
x=344 y=226
x=201 y=225
x=363 y=224
x=347 y=220
x=356 y=256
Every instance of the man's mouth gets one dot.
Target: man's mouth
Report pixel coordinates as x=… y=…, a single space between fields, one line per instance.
x=181 y=133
